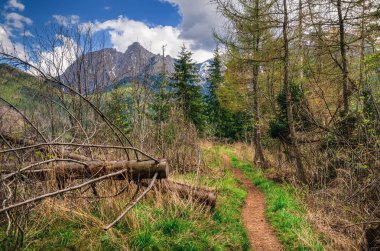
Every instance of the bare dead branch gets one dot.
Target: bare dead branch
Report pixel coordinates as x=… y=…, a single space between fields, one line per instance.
x=133 y=203
x=8 y=176
x=78 y=145
x=62 y=191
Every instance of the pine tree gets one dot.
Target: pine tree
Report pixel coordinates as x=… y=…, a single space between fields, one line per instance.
x=215 y=79
x=227 y=120
x=116 y=109
x=186 y=93
x=160 y=105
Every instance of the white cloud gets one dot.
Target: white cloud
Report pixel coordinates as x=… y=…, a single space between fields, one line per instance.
x=123 y=32
x=14 y=4
x=107 y=7
x=202 y=55
x=7 y=46
x=54 y=62
x=5 y=41
x=27 y=33
x=199 y=18
x=17 y=21
x=66 y=20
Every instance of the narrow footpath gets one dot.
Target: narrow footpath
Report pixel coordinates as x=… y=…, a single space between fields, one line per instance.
x=260 y=233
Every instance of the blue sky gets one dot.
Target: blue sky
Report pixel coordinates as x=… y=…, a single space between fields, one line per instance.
x=153 y=12
x=153 y=23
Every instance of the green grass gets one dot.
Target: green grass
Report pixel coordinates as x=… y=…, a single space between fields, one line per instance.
x=19 y=88
x=156 y=223
x=184 y=226
x=285 y=211
x=167 y=223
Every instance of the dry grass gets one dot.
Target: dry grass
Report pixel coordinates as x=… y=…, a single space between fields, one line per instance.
x=325 y=223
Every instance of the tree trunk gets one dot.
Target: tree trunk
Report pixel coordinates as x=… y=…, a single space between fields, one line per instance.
x=197 y=194
x=259 y=158
x=300 y=168
x=259 y=154
x=300 y=38
x=137 y=170
x=342 y=46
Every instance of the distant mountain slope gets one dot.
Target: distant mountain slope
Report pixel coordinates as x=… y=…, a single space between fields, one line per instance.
x=100 y=70
x=19 y=87
x=27 y=93
x=203 y=74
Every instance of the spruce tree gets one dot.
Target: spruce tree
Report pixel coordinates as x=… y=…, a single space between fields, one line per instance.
x=185 y=91
x=215 y=79
x=117 y=107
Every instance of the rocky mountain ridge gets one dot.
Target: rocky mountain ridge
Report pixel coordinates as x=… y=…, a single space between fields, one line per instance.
x=102 y=69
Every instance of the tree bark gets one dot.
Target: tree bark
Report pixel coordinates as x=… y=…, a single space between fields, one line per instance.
x=259 y=158
x=343 y=53
x=299 y=165
x=197 y=194
x=300 y=38
x=137 y=170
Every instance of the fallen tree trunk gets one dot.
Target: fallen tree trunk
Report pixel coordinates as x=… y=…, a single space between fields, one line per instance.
x=197 y=194
x=136 y=170
x=62 y=191
x=85 y=167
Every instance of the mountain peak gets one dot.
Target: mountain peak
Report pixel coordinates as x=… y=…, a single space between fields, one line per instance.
x=135 y=46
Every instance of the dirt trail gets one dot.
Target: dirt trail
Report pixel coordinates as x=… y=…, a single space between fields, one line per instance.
x=260 y=233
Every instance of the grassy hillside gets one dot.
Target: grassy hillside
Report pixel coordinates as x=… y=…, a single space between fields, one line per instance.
x=19 y=88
